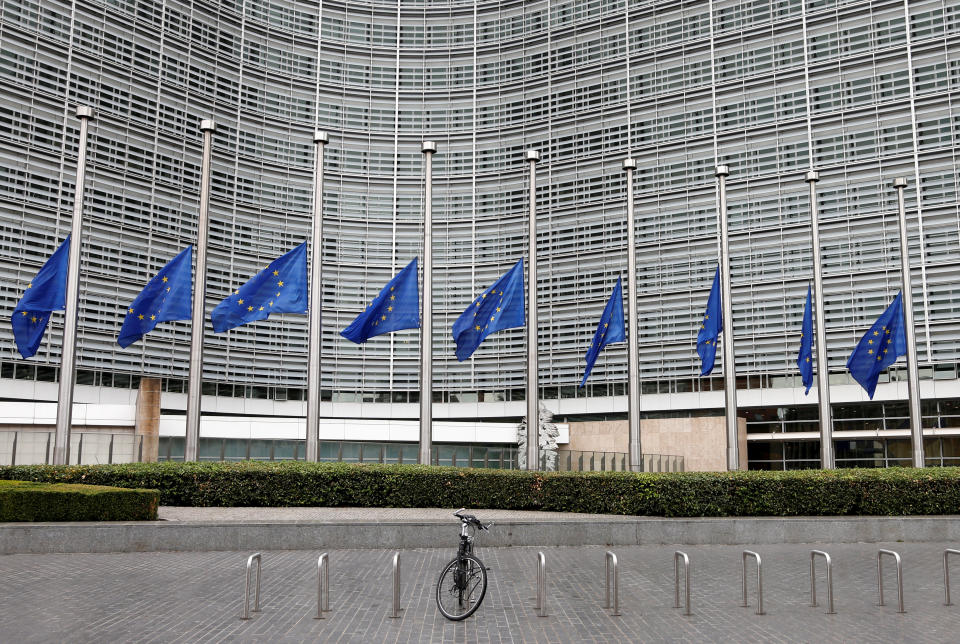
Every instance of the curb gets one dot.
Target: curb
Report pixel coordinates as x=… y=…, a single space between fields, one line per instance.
x=206 y=536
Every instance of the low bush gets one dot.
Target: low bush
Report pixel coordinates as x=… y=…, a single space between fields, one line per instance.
x=32 y=501
x=893 y=491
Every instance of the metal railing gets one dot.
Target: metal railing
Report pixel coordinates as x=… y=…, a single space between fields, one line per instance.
x=611 y=564
x=246 y=588
x=323 y=585
x=743 y=580
x=396 y=586
x=896 y=558
x=586 y=461
x=813 y=581
x=541 y=585
x=676 y=580
x=946 y=575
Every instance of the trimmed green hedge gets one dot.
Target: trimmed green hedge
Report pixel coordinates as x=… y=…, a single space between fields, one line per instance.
x=893 y=491
x=29 y=501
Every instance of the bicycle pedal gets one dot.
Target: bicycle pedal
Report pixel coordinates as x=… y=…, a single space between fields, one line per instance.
x=486 y=567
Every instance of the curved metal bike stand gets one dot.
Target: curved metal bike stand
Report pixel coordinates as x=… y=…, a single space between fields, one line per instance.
x=946 y=575
x=246 y=588
x=610 y=560
x=676 y=579
x=541 y=585
x=396 y=586
x=743 y=580
x=896 y=558
x=323 y=585
x=813 y=581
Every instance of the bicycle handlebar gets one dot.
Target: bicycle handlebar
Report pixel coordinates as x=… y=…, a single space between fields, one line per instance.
x=469 y=518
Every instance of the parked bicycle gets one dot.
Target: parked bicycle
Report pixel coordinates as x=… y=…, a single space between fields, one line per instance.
x=463 y=583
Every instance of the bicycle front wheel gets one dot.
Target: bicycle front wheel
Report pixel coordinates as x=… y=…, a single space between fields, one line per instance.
x=462 y=587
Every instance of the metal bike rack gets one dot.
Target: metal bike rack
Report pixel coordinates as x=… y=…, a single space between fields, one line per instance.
x=610 y=560
x=743 y=580
x=676 y=579
x=246 y=588
x=541 y=585
x=396 y=586
x=323 y=585
x=813 y=581
x=896 y=558
x=946 y=575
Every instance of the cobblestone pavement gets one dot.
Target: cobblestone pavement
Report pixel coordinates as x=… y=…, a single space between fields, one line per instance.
x=197 y=597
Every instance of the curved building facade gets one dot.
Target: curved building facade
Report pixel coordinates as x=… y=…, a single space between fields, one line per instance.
x=862 y=91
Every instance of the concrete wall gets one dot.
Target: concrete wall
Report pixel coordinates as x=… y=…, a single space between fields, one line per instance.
x=702 y=442
x=599 y=436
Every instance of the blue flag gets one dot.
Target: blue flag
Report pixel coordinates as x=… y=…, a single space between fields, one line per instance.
x=805 y=357
x=609 y=330
x=165 y=297
x=499 y=307
x=879 y=347
x=281 y=287
x=45 y=294
x=396 y=307
x=710 y=328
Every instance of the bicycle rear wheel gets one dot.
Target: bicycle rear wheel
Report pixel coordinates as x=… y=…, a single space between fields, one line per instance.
x=462 y=587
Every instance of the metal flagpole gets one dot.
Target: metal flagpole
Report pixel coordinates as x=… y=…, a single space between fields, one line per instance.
x=823 y=373
x=533 y=389
x=729 y=362
x=426 y=318
x=913 y=375
x=207 y=126
x=315 y=345
x=633 y=350
x=68 y=352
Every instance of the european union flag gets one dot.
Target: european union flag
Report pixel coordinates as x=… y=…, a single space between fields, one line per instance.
x=45 y=294
x=609 y=330
x=281 y=287
x=804 y=359
x=499 y=307
x=396 y=307
x=165 y=297
x=710 y=328
x=879 y=347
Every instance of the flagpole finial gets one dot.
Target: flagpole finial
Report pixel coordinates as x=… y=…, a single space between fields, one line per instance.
x=811 y=176
x=533 y=155
x=900 y=182
x=320 y=136
x=428 y=146
x=723 y=170
x=207 y=125
x=629 y=164
x=84 y=112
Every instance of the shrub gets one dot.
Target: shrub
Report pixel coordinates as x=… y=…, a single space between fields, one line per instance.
x=31 y=501
x=893 y=491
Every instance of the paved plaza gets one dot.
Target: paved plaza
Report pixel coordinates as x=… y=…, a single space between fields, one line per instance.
x=197 y=597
